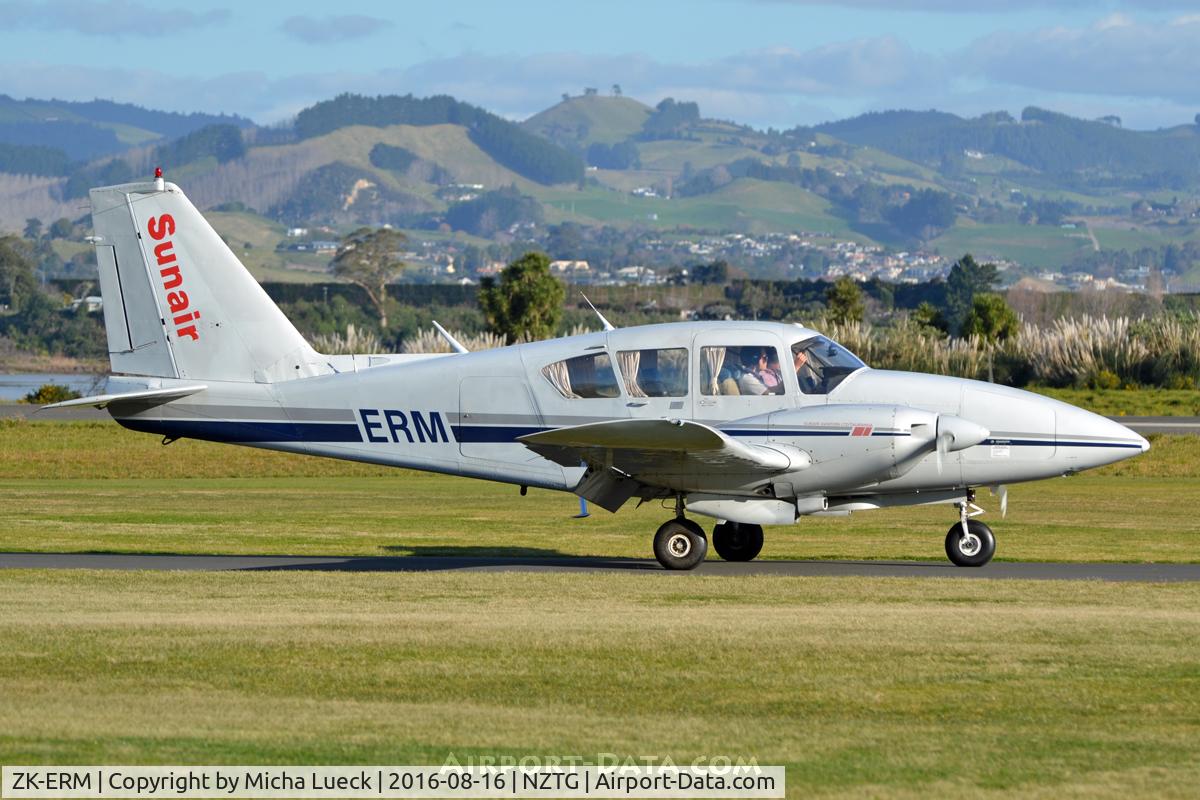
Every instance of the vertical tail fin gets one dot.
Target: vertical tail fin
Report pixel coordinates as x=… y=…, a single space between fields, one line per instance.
x=177 y=302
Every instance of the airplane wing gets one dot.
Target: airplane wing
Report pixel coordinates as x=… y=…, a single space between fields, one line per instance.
x=647 y=447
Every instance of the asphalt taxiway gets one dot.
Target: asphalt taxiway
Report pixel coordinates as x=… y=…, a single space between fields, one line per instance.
x=1012 y=570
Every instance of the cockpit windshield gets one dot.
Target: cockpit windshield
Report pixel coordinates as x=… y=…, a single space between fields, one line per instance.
x=821 y=364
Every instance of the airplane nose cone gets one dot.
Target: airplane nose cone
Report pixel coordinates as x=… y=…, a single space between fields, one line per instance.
x=1096 y=440
x=1142 y=439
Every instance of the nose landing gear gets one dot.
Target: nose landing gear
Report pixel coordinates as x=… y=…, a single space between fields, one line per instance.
x=969 y=542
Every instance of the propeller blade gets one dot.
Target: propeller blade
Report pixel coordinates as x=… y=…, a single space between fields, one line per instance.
x=942 y=447
x=1001 y=491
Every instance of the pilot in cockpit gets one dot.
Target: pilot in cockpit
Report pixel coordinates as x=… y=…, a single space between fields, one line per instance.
x=806 y=375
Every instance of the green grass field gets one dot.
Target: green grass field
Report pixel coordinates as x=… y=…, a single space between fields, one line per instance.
x=1040 y=246
x=1130 y=402
x=861 y=687
x=887 y=688
x=744 y=204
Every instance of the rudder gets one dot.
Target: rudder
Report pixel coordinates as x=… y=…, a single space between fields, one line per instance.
x=177 y=302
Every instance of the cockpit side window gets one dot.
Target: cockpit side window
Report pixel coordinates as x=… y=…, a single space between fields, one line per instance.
x=821 y=364
x=583 y=377
x=740 y=370
x=655 y=373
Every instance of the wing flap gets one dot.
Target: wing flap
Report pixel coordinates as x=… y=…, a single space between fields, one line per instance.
x=640 y=446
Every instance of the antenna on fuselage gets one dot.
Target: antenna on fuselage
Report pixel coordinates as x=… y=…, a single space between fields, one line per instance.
x=608 y=326
x=455 y=344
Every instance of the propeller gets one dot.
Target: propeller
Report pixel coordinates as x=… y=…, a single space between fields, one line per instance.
x=1001 y=491
x=940 y=433
x=954 y=434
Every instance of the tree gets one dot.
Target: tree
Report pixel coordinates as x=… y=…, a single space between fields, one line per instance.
x=62 y=228
x=845 y=301
x=926 y=214
x=967 y=278
x=716 y=273
x=33 y=228
x=367 y=258
x=526 y=303
x=17 y=281
x=616 y=90
x=993 y=320
x=494 y=211
x=929 y=316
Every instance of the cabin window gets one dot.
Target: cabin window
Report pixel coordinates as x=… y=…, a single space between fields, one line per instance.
x=583 y=377
x=740 y=370
x=821 y=364
x=655 y=373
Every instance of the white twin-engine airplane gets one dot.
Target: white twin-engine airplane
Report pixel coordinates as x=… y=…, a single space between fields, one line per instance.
x=751 y=423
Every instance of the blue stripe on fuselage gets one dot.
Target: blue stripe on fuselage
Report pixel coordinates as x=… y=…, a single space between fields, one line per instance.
x=247 y=432
x=493 y=434
x=258 y=431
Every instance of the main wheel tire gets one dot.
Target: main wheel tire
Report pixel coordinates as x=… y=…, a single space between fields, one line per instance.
x=736 y=541
x=972 y=550
x=680 y=544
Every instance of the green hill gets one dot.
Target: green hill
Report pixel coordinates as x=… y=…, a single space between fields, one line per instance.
x=1046 y=191
x=506 y=142
x=578 y=122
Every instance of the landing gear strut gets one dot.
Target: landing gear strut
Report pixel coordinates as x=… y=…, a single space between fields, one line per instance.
x=736 y=541
x=969 y=542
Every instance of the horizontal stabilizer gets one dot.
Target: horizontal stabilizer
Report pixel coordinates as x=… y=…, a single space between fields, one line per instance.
x=151 y=397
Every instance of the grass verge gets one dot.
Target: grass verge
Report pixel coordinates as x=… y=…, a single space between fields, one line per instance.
x=858 y=686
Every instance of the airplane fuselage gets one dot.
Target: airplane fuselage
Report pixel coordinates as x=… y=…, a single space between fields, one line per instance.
x=462 y=414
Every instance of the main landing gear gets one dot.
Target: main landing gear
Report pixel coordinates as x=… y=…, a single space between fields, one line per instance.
x=969 y=542
x=680 y=543
x=737 y=541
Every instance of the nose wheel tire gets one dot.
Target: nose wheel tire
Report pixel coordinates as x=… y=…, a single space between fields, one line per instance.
x=735 y=541
x=975 y=548
x=680 y=544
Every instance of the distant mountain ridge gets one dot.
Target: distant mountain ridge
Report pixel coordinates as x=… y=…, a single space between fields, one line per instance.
x=96 y=128
x=1043 y=190
x=1047 y=141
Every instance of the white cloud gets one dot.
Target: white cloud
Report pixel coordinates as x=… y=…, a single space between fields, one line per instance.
x=107 y=18
x=990 y=6
x=1120 y=57
x=326 y=30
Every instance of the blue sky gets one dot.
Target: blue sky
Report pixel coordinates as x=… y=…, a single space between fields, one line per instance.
x=763 y=62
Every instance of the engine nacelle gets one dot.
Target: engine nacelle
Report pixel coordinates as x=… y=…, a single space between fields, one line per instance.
x=857 y=446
